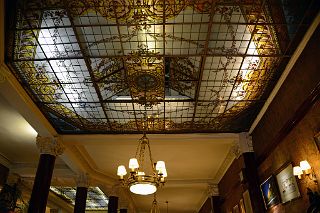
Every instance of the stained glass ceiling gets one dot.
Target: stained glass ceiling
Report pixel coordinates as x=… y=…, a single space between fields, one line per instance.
x=102 y=66
x=96 y=199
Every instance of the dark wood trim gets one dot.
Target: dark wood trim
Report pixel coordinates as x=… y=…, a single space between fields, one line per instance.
x=291 y=123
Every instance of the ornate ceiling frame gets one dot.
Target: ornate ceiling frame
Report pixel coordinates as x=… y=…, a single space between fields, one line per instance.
x=124 y=67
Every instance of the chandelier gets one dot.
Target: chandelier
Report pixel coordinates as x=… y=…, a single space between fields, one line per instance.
x=138 y=181
x=155 y=208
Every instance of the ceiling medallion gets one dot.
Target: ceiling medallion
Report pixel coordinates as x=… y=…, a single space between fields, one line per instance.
x=145 y=76
x=138 y=181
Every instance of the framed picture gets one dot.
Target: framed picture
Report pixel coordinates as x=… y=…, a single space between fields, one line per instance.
x=287 y=183
x=270 y=192
x=241 y=206
x=235 y=209
x=317 y=140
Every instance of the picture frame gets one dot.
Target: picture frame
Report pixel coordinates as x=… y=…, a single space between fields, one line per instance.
x=287 y=184
x=241 y=206
x=270 y=192
x=317 y=140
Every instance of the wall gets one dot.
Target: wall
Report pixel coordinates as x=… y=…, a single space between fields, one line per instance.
x=298 y=145
x=300 y=83
x=285 y=132
x=230 y=188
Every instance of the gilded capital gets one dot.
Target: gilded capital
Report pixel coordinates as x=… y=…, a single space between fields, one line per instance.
x=213 y=190
x=50 y=145
x=245 y=142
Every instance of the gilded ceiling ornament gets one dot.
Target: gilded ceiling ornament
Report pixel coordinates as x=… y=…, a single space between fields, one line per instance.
x=145 y=72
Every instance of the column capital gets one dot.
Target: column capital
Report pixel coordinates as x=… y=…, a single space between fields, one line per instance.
x=245 y=142
x=83 y=180
x=212 y=190
x=50 y=145
x=243 y=145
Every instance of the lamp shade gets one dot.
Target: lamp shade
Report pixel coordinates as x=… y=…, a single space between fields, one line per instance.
x=121 y=170
x=305 y=165
x=160 y=166
x=143 y=188
x=297 y=171
x=165 y=174
x=133 y=163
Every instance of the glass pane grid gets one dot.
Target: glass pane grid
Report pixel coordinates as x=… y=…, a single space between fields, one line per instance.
x=204 y=63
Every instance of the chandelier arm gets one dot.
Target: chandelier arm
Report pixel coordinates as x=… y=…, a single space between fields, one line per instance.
x=150 y=155
x=137 y=150
x=141 y=154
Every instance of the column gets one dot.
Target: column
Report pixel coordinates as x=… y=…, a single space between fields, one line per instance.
x=249 y=175
x=123 y=204
x=81 y=195
x=113 y=204
x=8 y=193
x=49 y=148
x=213 y=192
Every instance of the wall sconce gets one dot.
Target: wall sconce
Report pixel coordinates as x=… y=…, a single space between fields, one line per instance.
x=306 y=169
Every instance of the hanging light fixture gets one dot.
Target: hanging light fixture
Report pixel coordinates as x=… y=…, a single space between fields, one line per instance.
x=138 y=181
x=155 y=208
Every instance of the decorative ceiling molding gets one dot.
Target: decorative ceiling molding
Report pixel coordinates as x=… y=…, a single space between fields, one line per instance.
x=226 y=163
x=82 y=159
